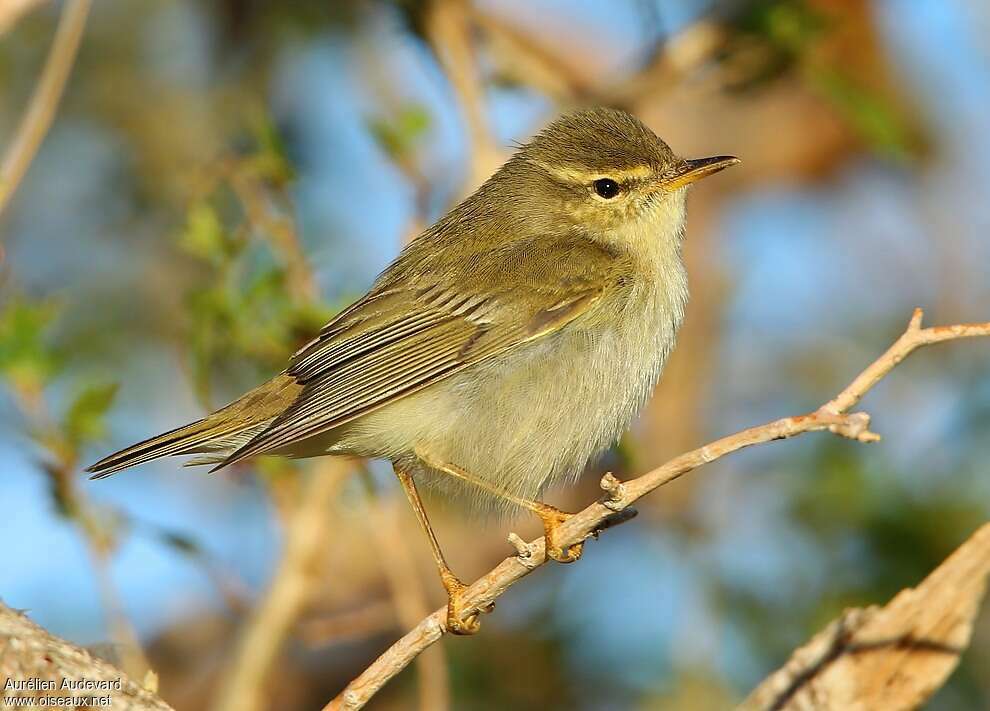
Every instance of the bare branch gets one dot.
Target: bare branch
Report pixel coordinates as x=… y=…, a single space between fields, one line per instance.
x=448 y=29
x=38 y=117
x=834 y=417
x=892 y=658
x=408 y=597
x=523 y=58
x=27 y=652
x=377 y=617
x=12 y=11
x=291 y=589
x=278 y=229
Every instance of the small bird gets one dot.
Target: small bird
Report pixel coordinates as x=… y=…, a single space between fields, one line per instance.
x=504 y=348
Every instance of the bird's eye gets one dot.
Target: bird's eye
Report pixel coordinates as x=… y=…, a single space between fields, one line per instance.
x=606 y=188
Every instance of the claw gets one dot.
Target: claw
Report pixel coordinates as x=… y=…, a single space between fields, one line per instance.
x=552 y=519
x=459 y=621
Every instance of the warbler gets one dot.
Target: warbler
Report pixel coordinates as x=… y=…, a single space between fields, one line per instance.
x=506 y=346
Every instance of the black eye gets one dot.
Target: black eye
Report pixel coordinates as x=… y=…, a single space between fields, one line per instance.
x=606 y=187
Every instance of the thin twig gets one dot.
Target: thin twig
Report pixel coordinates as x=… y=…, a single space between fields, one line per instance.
x=279 y=230
x=60 y=465
x=408 y=597
x=375 y=618
x=38 y=117
x=522 y=57
x=291 y=589
x=449 y=31
x=127 y=645
x=11 y=11
x=834 y=416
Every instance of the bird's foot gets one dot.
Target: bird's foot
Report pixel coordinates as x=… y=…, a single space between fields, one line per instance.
x=552 y=520
x=459 y=620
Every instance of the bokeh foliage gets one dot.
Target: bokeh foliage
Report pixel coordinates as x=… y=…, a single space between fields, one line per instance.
x=201 y=257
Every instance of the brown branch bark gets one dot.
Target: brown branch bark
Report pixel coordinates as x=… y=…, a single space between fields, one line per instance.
x=449 y=32
x=38 y=117
x=12 y=11
x=893 y=657
x=408 y=597
x=291 y=589
x=30 y=654
x=523 y=58
x=834 y=416
x=375 y=618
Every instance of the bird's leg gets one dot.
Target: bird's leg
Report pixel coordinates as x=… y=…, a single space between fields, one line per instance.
x=551 y=517
x=457 y=622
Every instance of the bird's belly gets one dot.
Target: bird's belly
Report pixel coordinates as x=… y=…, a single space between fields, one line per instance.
x=528 y=419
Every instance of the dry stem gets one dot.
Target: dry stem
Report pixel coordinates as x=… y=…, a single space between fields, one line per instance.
x=38 y=117
x=29 y=652
x=893 y=657
x=522 y=56
x=408 y=597
x=292 y=586
x=448 y=29
x=833 y=416
x=12 y=11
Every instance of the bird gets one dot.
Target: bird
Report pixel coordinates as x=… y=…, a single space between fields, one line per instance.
x=507 y=346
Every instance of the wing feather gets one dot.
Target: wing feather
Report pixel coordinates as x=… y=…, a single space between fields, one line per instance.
x=316 y=356
x=398 y=340
x=375 y=379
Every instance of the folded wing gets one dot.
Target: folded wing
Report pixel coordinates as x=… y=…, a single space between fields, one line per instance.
x=405 y=336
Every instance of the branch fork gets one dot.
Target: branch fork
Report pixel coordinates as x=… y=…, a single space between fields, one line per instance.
x=523 y=552
x=615 y=492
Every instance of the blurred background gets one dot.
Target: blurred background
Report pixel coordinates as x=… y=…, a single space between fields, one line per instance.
x=222 y=176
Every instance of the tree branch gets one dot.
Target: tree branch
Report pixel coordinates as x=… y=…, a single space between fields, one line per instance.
x=291 y=589
x=408 y=596
x=30 y=654
x=522 y=57
x=12 y=11
x=893 y=657
x=834 y=416
x=449 y=32
x=38 y=117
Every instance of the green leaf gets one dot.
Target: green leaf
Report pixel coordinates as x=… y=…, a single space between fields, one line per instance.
x=787 y=25
x=399 y=135
x=27 y=358
x=877 y=123
x=793 y=26
x=271 y=161
x=85 y=418
x=203 y=235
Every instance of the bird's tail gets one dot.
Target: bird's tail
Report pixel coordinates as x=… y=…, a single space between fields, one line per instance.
x=214 y=436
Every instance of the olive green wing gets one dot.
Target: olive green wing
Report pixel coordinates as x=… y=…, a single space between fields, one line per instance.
x=416 y=330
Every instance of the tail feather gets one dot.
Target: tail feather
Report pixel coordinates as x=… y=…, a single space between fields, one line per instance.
x=220 y=450
x=182 y=440
x=216 y=435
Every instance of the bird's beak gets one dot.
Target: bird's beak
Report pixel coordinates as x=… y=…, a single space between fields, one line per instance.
x=696 y=169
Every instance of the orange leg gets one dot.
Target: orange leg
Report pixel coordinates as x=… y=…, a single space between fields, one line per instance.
x=551 y=517
x=457 y=621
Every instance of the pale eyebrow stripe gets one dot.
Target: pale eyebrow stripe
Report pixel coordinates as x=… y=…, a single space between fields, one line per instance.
x=637 y=172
